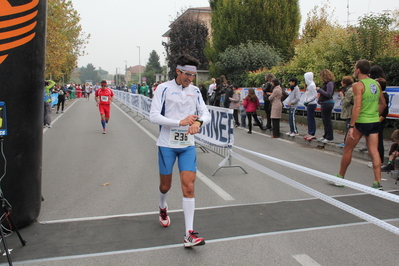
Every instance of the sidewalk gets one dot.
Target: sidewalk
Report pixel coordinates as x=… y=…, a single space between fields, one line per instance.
x=333 y=146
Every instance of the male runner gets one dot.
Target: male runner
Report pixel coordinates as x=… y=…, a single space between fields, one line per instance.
x=369 y=103
x=180 y=111
x=104 y=96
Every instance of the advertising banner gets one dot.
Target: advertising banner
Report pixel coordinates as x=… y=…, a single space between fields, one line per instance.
x=22 y=62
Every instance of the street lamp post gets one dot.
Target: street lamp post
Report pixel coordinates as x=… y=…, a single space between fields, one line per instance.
x=119 y=77
x=139 y=66
x=126 y=78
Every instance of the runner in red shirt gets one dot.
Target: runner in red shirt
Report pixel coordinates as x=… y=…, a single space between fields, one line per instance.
x=104 y=96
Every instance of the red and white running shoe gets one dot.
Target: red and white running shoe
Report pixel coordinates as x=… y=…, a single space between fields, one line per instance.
x=193 y=240
x=164 y=219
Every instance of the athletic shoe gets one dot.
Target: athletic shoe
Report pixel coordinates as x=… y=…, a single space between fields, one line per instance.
x=388 y=168
x=377 y=185
x=104 y=131
x=164 y=219
x=62 y=112
x=294 y=134
x=249 y=132
x=192 y=240
x=327 y=141
x=321 y=139
x=341 y=145
x=310 y=137
x=336 y=183
x=56 y=112
x=370 y=164
x=307 y=136
x=49 y=126
x=288 y=133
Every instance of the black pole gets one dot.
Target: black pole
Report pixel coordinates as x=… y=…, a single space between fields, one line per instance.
x=22 y=62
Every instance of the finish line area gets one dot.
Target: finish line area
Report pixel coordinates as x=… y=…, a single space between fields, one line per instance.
x=91 y=237
x=117 y=224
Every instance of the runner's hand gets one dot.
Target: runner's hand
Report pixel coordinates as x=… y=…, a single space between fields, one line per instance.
x=350 y=133
x=189 y=120
x=194 y=129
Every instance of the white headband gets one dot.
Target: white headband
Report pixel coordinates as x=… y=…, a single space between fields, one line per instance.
x=187 y=68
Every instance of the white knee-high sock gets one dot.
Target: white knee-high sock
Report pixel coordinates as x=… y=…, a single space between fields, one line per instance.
x=188 y=210
x=162 y=199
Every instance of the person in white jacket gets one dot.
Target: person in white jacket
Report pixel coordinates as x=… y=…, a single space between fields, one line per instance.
x=180 y=111
x=292 y=102
x=311 y=104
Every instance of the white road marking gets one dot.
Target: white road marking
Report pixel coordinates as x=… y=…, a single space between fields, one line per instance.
x=305 y=260
x=218 y=190
x=92 y=255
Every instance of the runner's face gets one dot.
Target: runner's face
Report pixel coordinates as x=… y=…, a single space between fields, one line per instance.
x=185 y=77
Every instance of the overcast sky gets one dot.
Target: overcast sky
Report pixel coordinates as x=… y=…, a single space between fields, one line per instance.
x=118 y=27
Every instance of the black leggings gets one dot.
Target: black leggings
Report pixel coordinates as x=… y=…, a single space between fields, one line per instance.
x=250 y=115
x=62 y=102
x=276 y=127
x=235 y=115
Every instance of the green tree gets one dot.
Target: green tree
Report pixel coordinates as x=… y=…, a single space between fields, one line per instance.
x=391 y=69
x=65 y=40
x=317 y=19
x=150 y=75
x=238 y=60
x=102 y=73
x=275 y=22
x=188 y=35
x=89 y=73
x=153 y=63
x=328 y=50
x=372 y=37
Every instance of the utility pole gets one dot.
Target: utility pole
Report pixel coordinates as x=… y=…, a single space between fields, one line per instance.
x=139 y=66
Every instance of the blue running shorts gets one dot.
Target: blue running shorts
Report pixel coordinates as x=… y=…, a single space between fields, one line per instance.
x=187 y=159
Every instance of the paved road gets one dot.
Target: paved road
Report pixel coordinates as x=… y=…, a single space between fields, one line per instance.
x=100 y=204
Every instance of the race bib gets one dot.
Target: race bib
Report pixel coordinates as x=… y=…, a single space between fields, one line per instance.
x=104 y=98
x=178 y=136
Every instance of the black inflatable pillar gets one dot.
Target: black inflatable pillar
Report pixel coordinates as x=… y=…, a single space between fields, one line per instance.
x=22 y=62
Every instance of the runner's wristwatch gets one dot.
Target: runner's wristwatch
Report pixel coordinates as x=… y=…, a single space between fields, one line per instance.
x=351 y=126
x=199 y=121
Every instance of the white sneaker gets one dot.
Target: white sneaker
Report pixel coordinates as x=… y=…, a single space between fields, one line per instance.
x=321 y=139
x=326 y=141
x=370 y=164
x=294 y=134
x=288 y=133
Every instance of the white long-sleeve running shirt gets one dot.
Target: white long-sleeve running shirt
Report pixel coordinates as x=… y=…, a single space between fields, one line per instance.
x=172 y=103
